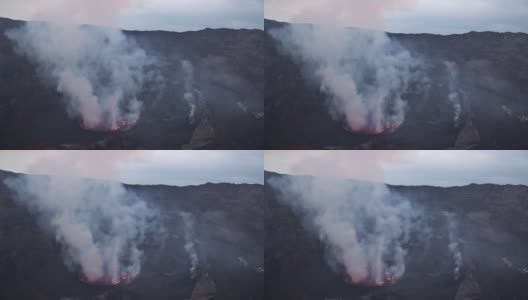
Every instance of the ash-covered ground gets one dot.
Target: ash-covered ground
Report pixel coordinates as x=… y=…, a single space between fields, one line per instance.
x=227 y=109
x=227 y=237
x=486 y=95
x=491 y=238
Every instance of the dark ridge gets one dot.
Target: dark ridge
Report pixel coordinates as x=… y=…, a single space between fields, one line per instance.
x=275 y=174
x=5 y=174
x=268 y=23
x=14 y=22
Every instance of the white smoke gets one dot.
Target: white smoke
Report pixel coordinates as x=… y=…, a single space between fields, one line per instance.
x=100 y=224
x=99 y=71
x=190 y=248
x=362 y=73
x=191 y=92
x=454 y=94
x=365 y=226
x=454 y=243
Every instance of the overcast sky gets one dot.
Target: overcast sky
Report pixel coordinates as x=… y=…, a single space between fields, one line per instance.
x=142 y=167
x=437 y=168
x=407 y=16
x=171 y=15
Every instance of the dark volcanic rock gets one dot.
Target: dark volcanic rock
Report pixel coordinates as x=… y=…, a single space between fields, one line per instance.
x=493 y=226
x=229 y=233
x=228 y=72
x=493 y=79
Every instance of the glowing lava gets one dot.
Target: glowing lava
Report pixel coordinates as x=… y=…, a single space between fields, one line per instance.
x=385 y=129
x=119 y=126
x=388 y=281
x=377 y=283
x=124 y=279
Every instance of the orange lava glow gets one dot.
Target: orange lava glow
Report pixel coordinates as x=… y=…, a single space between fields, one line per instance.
x=108 y=282
x=387 y=128
x=120 y=126
x=377 y=283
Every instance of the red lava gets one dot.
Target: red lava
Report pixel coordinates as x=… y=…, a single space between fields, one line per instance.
x=108 y=282
x=386 y=129
x=120 y=126
x=377 y=283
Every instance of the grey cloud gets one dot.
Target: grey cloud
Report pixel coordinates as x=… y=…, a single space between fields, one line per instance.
x=167 y=15
x=425 y=16
x=142 y=167
x=204 y=166
x=499 y=167
x=171 y=22
x=452 y=25
x=437 y=168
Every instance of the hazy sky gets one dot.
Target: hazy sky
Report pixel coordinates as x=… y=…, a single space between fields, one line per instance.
x=172 y=15
x=438 y=168
x=142 y=167
x=409 y=16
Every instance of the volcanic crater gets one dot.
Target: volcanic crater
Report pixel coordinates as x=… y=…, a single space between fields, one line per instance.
x=227 y=219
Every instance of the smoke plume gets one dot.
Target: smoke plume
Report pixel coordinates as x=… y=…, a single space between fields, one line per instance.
x=99 y=71
x=190 y=93
x=190 y=248
x=100 y=224
x=364 y=225
x=454 y=243
x=362 y=73
x=454 y=94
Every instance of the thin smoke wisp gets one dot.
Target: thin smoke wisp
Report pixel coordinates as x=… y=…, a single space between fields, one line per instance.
x=190 y=248
x=454 y=95
x=191 y=93
x=454 y=243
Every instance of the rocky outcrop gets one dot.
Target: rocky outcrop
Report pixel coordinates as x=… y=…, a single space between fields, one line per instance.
x=468 y=138
x=205 y=289
x=468 y=290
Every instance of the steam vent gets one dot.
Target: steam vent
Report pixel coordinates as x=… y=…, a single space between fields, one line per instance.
x=264 y=150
